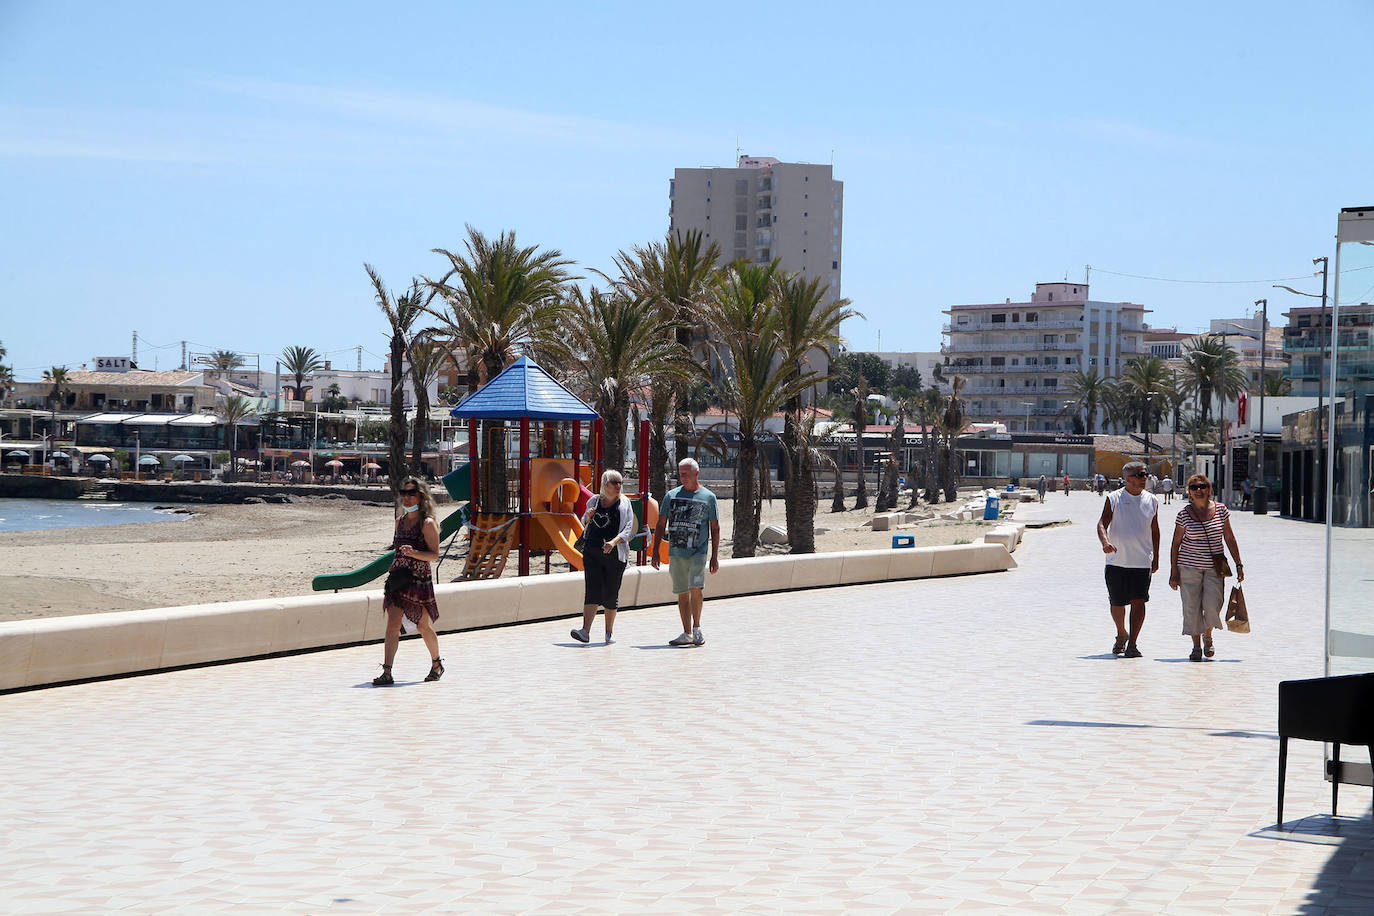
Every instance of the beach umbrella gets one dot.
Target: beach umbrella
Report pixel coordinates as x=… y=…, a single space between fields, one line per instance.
x=17 y=453
x=300 y=464
x=336 y=463
x=60 y=455
x=180 y=458
x=372 y=466
x=149 y=460
x=99 y=459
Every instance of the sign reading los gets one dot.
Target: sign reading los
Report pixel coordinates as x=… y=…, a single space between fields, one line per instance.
x=112 y=364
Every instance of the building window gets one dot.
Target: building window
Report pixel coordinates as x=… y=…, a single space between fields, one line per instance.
x=1032 y=316
x=999 y=318
x=672 y=188
x=834 y=265
x=1051 y=299
x=742 y=186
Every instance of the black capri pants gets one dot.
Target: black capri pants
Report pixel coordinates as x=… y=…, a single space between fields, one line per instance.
x=601 y=573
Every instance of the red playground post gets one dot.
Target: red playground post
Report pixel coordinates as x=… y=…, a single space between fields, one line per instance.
x=643 y=488
x=524 y=496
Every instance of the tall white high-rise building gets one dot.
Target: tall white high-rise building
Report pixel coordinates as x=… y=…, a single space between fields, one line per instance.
x=764 y=210
x=1017 y=357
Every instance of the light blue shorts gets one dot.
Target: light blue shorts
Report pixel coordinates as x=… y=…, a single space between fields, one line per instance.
x=687 y=572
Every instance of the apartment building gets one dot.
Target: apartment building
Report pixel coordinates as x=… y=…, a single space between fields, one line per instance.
x=1307 y=345
x=764 y=210
x=1017 y=357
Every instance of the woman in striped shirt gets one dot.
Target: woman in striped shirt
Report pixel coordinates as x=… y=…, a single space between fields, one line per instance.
x=1200 y=529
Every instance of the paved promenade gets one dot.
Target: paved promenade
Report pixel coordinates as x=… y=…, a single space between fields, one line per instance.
x=965 y=745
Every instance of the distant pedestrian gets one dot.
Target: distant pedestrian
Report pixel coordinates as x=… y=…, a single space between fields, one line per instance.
x=1101 y=483
x=607 y=527
x=1200 y=529
x=689 y=519
x=1167 y=485
x=1245 y=491
x=1066 y=484
x=1041 y=486
x=1129 y=533
x=408 y=596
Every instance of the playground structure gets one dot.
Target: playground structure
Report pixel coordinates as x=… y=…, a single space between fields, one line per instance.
x=523 y=427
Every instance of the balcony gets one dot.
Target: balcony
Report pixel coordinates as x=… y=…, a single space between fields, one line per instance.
x=1001 y=370
x=1015 y=325
x=765 y=202
x=998 y=347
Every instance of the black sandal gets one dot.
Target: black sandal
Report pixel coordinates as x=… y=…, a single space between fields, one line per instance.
x=1120 y=645
x=436 y=670
x=1195 y=655
x=384 y=679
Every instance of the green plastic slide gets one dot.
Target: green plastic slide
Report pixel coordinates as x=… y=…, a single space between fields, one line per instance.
x=458 y=482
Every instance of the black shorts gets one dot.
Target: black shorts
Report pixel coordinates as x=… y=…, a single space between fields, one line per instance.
x=601 y=574
x=1126 y=584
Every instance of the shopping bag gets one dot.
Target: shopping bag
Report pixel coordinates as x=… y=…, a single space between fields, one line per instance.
x=1237 y=615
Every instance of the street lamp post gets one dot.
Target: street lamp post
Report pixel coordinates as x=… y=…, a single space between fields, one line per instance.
x=1028 y=405
x=1260 y=492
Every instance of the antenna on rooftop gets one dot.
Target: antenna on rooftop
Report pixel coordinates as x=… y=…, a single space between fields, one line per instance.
x=1087 y=274
x=360 y=357
x=134 y=358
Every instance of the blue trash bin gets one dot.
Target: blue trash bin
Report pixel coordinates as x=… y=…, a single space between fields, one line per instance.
x=992 y=512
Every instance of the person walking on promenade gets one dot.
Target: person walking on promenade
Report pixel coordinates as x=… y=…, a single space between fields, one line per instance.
x=1200 y=529
x=689 y=516
x=1066 y=483
x=1129 y=532
x=1041 y=486
x=1168 y=487
x=409 y=591
x=607 y=527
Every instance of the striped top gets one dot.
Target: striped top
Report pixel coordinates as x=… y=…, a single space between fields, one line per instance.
x=1200 y=540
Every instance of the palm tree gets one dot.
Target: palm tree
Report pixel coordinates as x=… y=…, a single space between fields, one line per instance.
x=859 y=411
x=427 y=357
x=1210 y=366
x=401 y=312
x=300 y=362
x=6 y=384
x=952 y=426
x=677 y=276
x=618 y=342
x=500 y=298
x=234 y=411
x=808 y=325
x=1148 y=379
x=220 y=360
x=887 y=487
x=1086 y=392
x=930 y=406
x=58 y=376
x=747 y=334
x=1278 y=386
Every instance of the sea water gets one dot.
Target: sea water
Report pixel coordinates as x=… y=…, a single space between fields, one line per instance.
x=37 y=514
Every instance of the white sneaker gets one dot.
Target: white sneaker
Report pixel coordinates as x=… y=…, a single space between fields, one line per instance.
x=685 y=639
x=610 y=640
x=697 y=638
x=579 y=634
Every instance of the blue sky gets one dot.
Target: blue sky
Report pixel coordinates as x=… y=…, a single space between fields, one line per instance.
x=220 y=173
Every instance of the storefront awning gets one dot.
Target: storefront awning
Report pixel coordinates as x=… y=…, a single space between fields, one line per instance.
x=104 y=418
x=149 y=419
x=195 y=419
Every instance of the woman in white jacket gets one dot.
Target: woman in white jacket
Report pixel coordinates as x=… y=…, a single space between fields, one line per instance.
x=607 y=528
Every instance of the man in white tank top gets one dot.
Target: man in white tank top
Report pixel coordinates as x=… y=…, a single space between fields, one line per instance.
x=1129 y=532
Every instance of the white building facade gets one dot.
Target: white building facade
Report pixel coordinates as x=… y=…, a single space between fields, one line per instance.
x=1017 y=357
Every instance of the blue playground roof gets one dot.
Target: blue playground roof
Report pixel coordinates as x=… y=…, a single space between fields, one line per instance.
x=523 y=389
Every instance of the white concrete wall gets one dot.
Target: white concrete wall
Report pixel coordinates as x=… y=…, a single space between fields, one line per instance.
x=55 y=650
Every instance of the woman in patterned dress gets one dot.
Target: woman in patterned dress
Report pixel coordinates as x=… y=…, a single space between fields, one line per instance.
x=412 y=602
x=1200 y=530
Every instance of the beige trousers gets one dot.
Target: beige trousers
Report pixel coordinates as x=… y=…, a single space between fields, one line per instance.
x=1202 y=591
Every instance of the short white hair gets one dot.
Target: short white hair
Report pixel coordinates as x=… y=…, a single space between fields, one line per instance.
x=689 y=463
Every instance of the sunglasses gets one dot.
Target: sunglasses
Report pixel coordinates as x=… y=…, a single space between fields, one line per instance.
x=1199 y=486
x=1141 y=476
x=410 y=492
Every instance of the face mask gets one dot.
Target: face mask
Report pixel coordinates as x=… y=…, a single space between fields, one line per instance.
x=409 y=509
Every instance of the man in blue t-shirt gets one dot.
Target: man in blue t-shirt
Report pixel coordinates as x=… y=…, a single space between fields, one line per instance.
x=688 y=515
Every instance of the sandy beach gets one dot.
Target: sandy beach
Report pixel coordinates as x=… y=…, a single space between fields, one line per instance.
x=232 y=552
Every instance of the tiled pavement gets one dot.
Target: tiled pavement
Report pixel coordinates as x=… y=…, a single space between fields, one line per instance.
x=955 y=745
